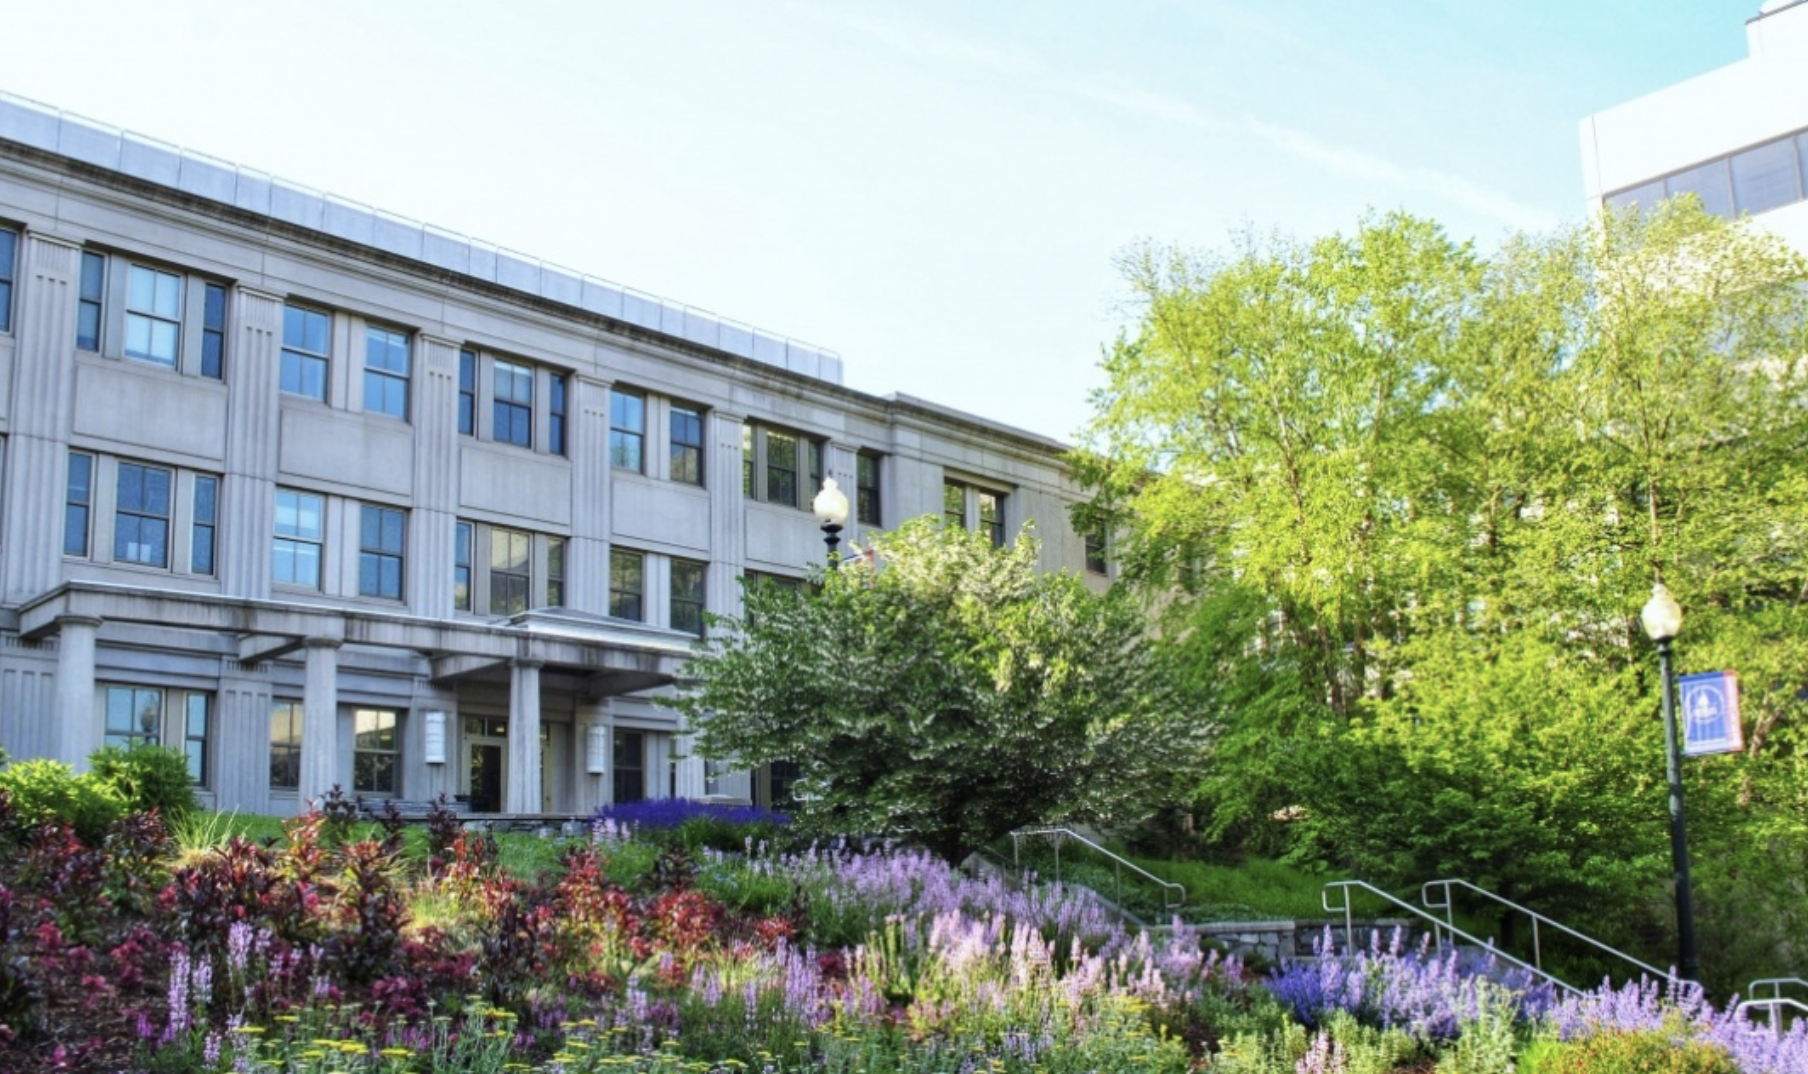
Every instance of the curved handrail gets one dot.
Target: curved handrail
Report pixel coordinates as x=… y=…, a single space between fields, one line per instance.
x=1775 y=984
x=1773 y=1004
x=1537 y=920
x=1438 y=927
x=1121 y=863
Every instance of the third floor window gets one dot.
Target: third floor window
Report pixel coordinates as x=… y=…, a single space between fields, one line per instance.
x=510 y=401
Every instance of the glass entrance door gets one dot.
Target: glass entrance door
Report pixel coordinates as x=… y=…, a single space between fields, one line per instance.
x=486 y=767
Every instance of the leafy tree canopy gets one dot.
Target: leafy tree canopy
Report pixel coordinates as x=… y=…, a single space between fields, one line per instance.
x=951 y=694
x=1415 y=496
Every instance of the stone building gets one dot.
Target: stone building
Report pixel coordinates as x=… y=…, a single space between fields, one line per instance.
x=319 y=495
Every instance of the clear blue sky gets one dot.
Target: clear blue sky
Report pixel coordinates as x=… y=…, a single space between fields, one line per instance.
x=934 y=189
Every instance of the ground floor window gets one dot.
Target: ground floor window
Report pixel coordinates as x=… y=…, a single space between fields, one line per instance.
x=285 y=745
x=375 y=751
x=154 y=716
x=630 y=766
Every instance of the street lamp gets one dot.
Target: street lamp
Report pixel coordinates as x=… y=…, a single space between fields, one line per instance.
x=1662 y=619
x=831 y=506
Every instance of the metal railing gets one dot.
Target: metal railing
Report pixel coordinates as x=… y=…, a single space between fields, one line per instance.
x=1776 y=1003
x=1119 y=864
x=1440 y=929
x=1538 y=921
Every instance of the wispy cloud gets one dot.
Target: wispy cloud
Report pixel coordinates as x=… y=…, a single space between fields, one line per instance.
x=922 y=43
x=1343 y=160
x=1360 y=164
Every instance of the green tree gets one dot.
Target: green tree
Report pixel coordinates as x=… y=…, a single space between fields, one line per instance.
x=950 y=694
x=1415 y=496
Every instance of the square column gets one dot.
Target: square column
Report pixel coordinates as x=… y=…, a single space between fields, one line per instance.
x=524 y=738
x=320 y=719
x=78 y=732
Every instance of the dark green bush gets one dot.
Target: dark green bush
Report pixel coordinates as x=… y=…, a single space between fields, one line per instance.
x=146 y=778
x=43 y=791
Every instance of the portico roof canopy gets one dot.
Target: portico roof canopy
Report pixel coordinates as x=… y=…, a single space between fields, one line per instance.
x=612 y=656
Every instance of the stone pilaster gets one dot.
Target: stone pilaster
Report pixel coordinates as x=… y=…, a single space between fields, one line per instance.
x=727 y=512
x=587 y=438
x=253 y=419
x=43 y=397
x=431 y=526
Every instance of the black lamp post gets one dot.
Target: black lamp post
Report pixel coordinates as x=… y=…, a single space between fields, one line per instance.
x=831 y=506
x=1662 y=619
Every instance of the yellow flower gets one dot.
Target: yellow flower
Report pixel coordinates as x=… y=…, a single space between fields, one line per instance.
x=396 y=1053
x=290 y=1018
x=249 y=1031
x=312 y=1053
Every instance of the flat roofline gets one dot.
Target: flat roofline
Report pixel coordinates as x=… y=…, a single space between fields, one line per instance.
x=51 y=130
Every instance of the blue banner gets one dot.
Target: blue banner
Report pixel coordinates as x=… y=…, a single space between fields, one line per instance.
x=1710 y=713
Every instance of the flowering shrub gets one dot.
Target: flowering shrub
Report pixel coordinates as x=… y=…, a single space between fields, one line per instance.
x=317 y=956
x=1428 y=994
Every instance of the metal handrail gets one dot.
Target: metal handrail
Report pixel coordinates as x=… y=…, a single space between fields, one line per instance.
x=1438 y=927
x=1775 y=984
x=1120 y=863
x=1537 y=920
x=1772 y=1005
x=1776 y=1000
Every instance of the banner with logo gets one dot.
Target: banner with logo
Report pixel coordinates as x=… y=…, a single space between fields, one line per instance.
x=1710 y=713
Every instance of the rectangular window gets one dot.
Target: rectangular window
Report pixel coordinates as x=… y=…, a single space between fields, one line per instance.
x=555 y=572
x=195 y=722
x=988 y=514
x=385 y=372
x=213 y=331
x=133 y=716
x=991 y=517
x=630 y=783
x=866 y=489
x=513 y=412
x=1766 y=177
x=467 y=392
x=375 y=751
x=153 y=315
x=91 y=295
x=461 y=567
x=954 y=505
x=748 y=445
x=781 y=468
x=511 y=567
x=688 y=596
x=206 y=520
x=687 y=445
x=1095 y=552
x=9 y=256
x=141 y=516
x=627 y=585
x=382 y=535
x=300 y=529
x=1711 y=182
x=78 y=504
x=285 y=744
x=307 y=341
x=555 y=425
x=627 y=430
x=137 y=716
x=499 y=571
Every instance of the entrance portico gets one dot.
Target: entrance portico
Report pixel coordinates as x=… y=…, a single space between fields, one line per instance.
x=584 y=659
